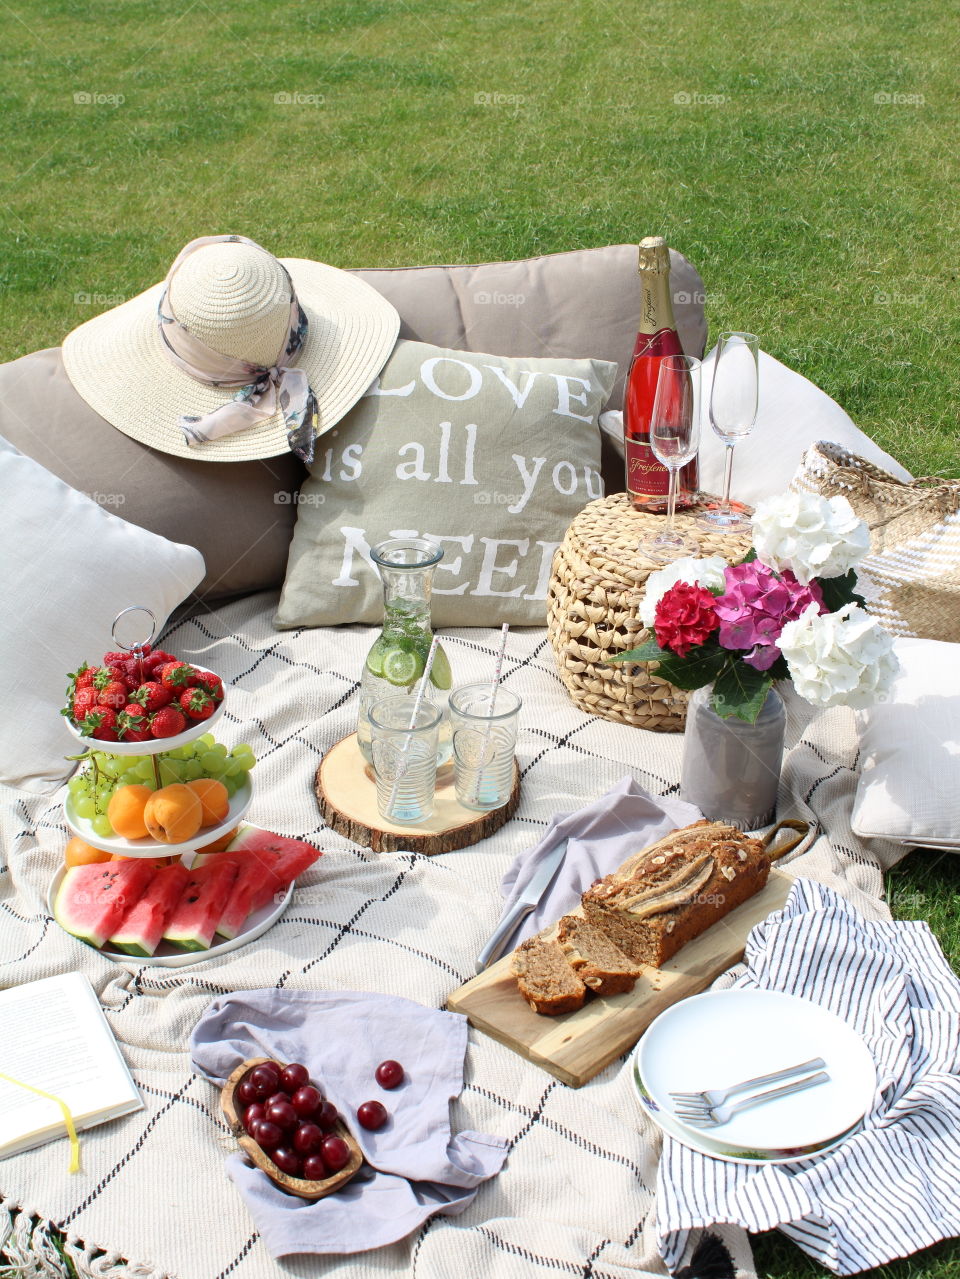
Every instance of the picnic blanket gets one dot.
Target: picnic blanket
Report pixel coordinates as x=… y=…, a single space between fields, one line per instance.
x=577 y=1193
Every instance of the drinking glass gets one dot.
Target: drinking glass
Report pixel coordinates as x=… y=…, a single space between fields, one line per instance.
x=484 y=724
x=733 y=414
x=674 y=438
x=404 y=750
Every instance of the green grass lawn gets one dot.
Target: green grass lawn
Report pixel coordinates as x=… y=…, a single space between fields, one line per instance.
x=805 y=157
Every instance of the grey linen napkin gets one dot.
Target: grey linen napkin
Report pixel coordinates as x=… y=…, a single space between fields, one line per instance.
x=417 y=1166
x=599 y=839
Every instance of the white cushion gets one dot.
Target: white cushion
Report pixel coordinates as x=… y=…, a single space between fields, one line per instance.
x=67 y=568
x=793 y=413
x=909 y=787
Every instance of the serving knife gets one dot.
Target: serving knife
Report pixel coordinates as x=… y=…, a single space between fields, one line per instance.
x=530 y=897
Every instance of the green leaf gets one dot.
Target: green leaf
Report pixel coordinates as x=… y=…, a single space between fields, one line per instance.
x=741 y=691
x=648 y=652
x=838 y=591
x=700 y=666
x=750 y=556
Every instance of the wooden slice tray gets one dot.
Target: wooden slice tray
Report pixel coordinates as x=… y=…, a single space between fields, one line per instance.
x=577 y=1046
x=347 y=793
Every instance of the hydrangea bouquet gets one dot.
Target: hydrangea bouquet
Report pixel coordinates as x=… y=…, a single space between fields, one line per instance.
x=788 y=610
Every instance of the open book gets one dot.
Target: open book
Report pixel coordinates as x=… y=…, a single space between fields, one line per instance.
x=54 y=1036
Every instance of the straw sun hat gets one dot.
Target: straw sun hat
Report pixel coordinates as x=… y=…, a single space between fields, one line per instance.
x=230 y=302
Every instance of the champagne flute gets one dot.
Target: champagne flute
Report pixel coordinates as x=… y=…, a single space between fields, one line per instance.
x=674 y=437
x=733 y=414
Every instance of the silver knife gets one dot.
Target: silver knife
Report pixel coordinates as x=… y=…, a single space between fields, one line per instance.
x=530 y=897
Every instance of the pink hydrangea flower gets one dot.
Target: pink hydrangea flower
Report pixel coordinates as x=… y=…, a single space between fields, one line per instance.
x=755 y=607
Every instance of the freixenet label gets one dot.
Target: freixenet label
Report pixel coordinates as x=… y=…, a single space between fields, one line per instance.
x=645 y=475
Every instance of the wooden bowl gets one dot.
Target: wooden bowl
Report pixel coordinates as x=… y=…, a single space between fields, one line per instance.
x=260 y=1159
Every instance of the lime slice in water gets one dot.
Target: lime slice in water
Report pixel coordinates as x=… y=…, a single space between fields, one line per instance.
x=441 y=675
x=401 y=667
x=375 y=658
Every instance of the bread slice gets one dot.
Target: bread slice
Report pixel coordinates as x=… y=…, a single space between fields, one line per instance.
x=599 y=964
x=545 y=979
x=669 y=893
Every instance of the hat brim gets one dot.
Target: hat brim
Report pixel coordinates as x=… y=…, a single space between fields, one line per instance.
x=117 y=363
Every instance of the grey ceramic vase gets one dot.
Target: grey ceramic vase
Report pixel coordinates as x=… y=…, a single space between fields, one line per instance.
x=731 y=769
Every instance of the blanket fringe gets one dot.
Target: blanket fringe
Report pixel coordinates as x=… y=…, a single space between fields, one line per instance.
x=33 y=1248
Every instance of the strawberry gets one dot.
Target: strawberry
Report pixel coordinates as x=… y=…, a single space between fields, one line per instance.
x=133 y=725
x=167 y=722
x=196 y=703
x=151 y=695
x=106 y=675
x=113 y=694
x=211 y=684
x=178 y=675
x=101 y=722
x=84 y=676
x=84 y=700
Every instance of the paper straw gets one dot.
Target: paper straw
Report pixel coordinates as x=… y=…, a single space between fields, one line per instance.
x=413 y=716
x=494 y=689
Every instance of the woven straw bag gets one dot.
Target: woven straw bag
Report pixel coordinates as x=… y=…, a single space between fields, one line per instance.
x=595 y=591
x=911 y=577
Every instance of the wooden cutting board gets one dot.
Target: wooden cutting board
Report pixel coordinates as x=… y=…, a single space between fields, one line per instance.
x=577 y=1046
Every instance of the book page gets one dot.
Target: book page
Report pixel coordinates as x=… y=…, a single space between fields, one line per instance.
x=54 y=1036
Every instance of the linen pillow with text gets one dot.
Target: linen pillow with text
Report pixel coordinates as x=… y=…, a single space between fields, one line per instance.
x=490 y=456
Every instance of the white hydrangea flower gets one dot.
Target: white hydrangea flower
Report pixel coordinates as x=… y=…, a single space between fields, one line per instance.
x=695 y=572
x=810 y=535
x=839 y=659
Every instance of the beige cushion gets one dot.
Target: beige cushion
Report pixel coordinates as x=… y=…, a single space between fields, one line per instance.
x=239 y=515
x=68 y=567
x=492 y=457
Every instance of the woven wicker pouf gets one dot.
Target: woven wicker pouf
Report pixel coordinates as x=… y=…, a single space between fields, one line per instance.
x=596 y=588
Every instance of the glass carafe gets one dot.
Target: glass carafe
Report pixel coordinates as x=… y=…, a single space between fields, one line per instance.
x=395 y=663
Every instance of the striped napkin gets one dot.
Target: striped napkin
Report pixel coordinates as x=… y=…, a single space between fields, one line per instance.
x=892 y=1188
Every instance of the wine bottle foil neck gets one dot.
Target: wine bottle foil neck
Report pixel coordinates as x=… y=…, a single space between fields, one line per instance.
x=654 y=255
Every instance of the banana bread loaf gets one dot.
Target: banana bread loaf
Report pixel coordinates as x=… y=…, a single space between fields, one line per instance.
x=600 y=965
x=669 y=893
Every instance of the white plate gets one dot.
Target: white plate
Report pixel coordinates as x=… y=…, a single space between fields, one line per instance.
x=718 y=1038
x=152 y=847
x=168 y=956
x=156 y=744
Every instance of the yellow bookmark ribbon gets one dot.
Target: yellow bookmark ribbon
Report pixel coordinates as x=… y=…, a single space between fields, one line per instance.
x=67 y=1118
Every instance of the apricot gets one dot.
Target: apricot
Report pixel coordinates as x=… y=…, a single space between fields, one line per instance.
x=78 y=853
x=220 y=844
x=214 y=799
x=173 y=814
x=158 y=863
x=125 y=811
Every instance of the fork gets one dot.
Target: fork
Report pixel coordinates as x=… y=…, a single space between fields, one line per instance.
x=717 y=1115
x=709 y=1099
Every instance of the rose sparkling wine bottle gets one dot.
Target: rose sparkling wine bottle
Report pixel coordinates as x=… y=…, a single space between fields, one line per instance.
x=648 y=480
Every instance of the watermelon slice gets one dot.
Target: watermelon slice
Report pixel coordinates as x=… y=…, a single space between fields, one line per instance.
x=197 y=913
x=142 y=929
x=93 y=900
x=267 y=865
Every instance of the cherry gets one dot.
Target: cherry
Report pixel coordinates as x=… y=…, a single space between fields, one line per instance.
x=327 y=1116
x=266 y=1134
x=372 y=1115
x=336 y=1153
x=314 y=1169
x=246 y=1093
x=287 y=1161
x=307 y=1139
x=293 y=1077
x=265 y=1078
x=275 y=1097
x=251 y=1115
x=306 y=1101
x=283 y=1115
x=389 y=1074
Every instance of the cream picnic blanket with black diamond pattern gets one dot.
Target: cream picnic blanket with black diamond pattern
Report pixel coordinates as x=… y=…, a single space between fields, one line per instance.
x=575 y=1197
